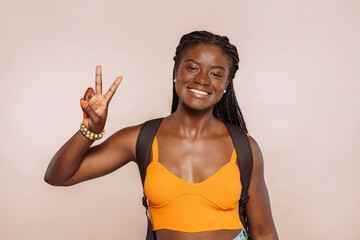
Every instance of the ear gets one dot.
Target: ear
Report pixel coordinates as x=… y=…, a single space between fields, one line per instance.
x=175 y=73
x=227 y=83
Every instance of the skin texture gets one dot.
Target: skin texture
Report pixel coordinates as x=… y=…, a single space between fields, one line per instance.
x=197 y=137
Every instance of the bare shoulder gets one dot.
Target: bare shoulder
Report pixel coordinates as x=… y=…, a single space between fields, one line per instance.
x=256 y=152
x=127 y=132
x=125 y=140
x=254 y=145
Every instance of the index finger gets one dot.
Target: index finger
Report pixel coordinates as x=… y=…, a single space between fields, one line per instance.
x=98 y=80
x=110 y=93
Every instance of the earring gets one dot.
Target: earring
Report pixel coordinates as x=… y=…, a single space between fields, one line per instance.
x=225 y=91
x=174 y=79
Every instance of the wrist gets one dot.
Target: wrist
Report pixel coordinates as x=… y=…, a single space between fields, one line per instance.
x=89 y=134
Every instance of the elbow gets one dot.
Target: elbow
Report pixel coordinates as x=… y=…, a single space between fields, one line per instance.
x=48 y=180
x=51 y=181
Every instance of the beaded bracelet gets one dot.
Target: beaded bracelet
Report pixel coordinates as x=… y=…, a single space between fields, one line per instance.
x=90 y=135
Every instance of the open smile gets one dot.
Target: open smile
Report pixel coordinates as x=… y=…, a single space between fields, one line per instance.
x=199 y=92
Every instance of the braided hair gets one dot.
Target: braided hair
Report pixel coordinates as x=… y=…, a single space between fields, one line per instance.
x=227 y=109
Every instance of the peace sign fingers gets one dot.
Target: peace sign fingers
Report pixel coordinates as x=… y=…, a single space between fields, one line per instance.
x=110 y=93
x=98 y=80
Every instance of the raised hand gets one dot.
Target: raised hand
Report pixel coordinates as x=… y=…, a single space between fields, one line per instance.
x=95 y=105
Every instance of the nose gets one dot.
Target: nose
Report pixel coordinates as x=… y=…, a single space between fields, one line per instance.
x=202 y=78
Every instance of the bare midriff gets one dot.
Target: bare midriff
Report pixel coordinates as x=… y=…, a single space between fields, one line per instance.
x=165 y=234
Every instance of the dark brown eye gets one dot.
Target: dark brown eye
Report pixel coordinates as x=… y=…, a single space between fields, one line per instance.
x=217 y=75
x=192 y=68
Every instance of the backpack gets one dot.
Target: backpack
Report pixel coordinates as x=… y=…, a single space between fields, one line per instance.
x=244 y=160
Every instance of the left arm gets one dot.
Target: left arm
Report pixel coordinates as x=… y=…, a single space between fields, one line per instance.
x=258 y=211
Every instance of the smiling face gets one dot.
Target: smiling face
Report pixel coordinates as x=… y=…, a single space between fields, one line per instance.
x=202 y=76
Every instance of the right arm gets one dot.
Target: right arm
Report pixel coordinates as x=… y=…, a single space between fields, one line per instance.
x=76 y=161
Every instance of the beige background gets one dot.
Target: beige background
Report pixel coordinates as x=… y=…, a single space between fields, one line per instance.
x=298 y=87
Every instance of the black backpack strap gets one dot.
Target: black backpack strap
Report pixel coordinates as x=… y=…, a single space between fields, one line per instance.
x=143 y=149
x=244 y=157
x=245 y=162
x=144 y=143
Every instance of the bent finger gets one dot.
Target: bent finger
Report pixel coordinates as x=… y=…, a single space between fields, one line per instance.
x=89 y=111
x=89 y=94
x=110 y=93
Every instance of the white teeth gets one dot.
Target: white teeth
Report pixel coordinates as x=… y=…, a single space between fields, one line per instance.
x=198 y=91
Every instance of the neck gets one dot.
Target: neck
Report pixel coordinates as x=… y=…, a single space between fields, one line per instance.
x=191 y=123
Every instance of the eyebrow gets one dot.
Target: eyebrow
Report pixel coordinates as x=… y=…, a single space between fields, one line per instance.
x=191 y=60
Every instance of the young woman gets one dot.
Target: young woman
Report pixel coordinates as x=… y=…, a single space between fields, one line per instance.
x=192 y=152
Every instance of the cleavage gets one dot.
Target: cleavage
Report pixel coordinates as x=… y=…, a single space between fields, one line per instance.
x=191 y=162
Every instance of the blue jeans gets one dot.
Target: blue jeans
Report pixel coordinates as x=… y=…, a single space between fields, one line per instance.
x=242 y=235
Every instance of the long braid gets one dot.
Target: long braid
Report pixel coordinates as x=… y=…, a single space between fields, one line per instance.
x=227 y=109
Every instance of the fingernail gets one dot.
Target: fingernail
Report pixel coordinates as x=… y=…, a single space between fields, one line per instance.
x=83 y=103
x=118 y=79
x=85 y=115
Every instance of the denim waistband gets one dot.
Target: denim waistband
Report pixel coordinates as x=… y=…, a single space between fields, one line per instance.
x=242 y=235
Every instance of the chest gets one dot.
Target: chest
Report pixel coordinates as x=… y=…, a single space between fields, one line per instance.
x=193 y=161
x=221 y=189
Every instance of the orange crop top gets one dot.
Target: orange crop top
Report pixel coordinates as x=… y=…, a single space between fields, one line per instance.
x=178 y=205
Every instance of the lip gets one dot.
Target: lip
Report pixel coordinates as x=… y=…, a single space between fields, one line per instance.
x=192 y=89
x=198 y=92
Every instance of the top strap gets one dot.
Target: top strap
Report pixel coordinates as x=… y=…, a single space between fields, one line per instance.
x=233 y=156
x=155 y=150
